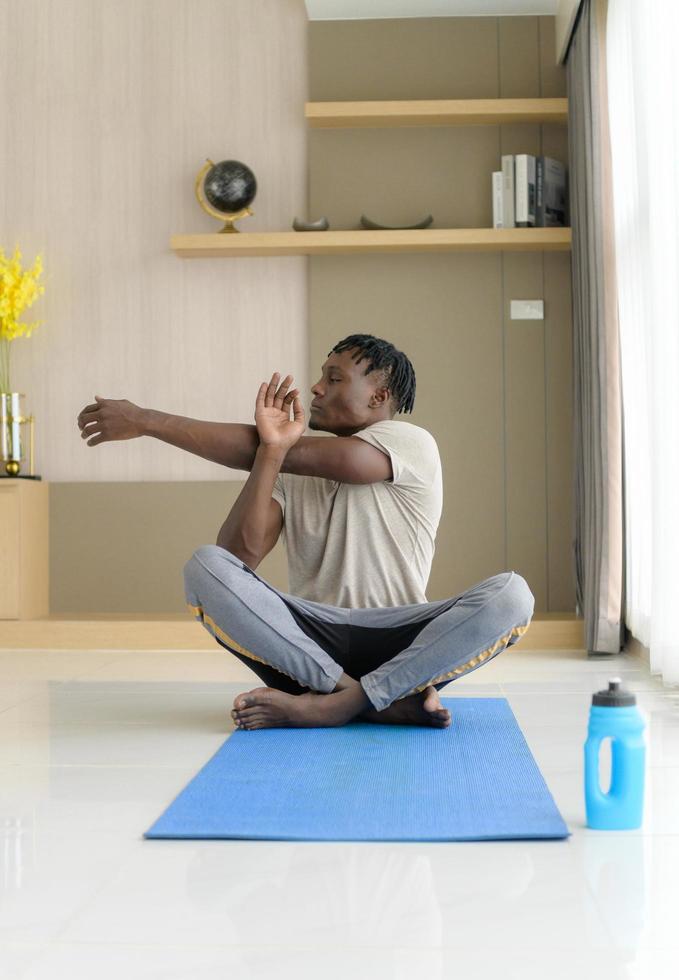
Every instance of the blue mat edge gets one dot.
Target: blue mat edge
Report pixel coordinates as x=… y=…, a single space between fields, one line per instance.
x=446 y=702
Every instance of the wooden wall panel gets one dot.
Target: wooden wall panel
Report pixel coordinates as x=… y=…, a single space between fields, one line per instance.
x=495 y=392
x=121 y=547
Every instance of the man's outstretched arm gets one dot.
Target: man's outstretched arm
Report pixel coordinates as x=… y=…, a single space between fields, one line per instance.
x=233 y=444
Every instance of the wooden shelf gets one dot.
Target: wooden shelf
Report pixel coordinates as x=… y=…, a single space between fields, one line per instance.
x=257 y=244
x=438 y=112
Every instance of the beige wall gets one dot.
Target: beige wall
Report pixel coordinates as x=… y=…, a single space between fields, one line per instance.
x=495 y=393
x=108 y=110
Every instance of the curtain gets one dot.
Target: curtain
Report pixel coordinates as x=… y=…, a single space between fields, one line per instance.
x=643 y=93
x=598 y=534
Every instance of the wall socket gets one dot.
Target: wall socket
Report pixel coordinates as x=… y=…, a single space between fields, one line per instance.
x=527 y=309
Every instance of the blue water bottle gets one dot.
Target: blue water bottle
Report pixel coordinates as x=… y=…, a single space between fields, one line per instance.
x=614 y=715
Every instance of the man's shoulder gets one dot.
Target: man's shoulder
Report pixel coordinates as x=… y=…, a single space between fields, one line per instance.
x=396 y=425
x=399 y=431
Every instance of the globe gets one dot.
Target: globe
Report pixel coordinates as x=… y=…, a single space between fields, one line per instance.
x=230 y=186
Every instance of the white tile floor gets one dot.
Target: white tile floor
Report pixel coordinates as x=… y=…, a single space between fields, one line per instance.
x=93 y=747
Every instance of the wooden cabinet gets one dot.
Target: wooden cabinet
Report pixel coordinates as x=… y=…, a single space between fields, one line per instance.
x=24 y=549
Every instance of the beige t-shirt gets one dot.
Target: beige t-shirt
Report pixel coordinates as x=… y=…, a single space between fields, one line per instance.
x=366 y=545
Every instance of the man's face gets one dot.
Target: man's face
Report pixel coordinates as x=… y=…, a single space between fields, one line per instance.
x=345 y=399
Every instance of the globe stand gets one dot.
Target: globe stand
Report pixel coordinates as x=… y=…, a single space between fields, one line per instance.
x=228 y=227
x=207 y=207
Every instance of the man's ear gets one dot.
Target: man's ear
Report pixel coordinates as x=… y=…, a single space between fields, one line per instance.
x=380 y=397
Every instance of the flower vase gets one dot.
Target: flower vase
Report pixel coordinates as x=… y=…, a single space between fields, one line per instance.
x=11 y=418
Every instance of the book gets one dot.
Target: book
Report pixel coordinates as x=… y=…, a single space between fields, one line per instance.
x=508 y=190
x=550 y=193
x=497 y=199
x=524 y=192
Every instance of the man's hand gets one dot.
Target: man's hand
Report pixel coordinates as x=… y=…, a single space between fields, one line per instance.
x=272 y=414
x=110 y=419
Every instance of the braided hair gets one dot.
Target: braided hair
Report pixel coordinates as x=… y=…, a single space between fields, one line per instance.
x=398 y=374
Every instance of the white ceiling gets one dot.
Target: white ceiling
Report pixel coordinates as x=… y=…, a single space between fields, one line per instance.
x=372 y=9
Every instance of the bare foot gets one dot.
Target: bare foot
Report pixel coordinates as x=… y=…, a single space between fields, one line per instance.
x=266 y=707
x=423 y=708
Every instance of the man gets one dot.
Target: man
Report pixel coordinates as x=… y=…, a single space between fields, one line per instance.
x=355 y=638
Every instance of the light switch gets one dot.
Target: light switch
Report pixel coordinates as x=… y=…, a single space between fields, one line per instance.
x=527 y=309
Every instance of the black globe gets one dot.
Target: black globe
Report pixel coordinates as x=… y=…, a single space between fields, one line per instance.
x=230 y=186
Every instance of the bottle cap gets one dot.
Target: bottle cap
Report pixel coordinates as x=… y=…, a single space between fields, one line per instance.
x=615 y=696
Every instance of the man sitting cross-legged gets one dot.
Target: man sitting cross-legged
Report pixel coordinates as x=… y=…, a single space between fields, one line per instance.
x=356 y=637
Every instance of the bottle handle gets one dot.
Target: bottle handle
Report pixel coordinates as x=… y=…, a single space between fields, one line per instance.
x=592 y=786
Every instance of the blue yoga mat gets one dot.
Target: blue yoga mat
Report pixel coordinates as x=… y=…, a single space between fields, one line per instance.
x=475 y=780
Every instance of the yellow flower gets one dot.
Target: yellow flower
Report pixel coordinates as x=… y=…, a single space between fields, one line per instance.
x=19 y=289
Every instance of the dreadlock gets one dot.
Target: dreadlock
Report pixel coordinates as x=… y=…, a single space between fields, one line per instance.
x=398 y=374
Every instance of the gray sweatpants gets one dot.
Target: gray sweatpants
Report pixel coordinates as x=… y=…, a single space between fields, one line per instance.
x=297 y=645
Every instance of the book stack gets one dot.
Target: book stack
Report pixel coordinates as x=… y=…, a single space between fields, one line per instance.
x=529 y=192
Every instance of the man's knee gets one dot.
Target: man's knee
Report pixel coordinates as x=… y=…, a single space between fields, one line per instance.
x=521 y=600
x=211 y=561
